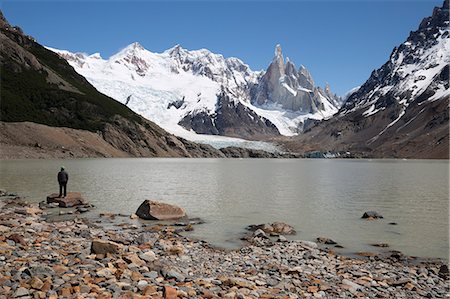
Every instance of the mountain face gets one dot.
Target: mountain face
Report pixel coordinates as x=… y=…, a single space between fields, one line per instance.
x=402 y=109
x=40 y=87
x=199 y=92
x=293 y=89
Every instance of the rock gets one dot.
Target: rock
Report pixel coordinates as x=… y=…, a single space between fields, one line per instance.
x=142 y=284
x=82 y=210
x=21 y=292
x=443 y=272
x=259 y=233
x=282 y=238
x=169 y=292
x=148 y=256
x=147 y=237
x=352 y=284
x=380 y=245
x=274 y=228
x=103 y=247
x=134 y=216
x=190 y=221
x=72 y=199
x=18 y=239
x=371 y=215
x=240 y=282
x=153 y=210
x=325 y=241
x=400 y=282
x=172 y=272
x=133 y=258
x=36 y=283
x=308 y=244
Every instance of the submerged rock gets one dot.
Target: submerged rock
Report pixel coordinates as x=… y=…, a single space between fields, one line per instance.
x=371 y=215
x=72 y=199
x=380 y=245
x=154 y=210
x=326 y=241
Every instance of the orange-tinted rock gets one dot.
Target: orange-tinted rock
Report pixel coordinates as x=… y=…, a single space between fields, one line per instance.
x=18 y=239
x=72 y=199
x=170 y=293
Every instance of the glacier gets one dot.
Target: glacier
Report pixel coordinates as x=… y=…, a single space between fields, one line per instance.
x=166 y=87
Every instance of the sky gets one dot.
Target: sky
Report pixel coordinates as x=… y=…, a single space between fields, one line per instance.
x=339 y=42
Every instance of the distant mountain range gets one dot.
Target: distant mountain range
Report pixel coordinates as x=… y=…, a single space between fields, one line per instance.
x=400 y=111
x=199 y=91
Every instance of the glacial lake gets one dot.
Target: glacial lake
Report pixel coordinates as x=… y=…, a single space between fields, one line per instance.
x=320 y=198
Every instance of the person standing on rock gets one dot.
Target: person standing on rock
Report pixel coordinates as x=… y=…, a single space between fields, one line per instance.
x=63 y=178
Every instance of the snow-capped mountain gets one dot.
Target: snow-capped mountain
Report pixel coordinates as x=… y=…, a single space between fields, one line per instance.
x=402 y=109
x=416 y=73
x=199 y=92
x=294 y=89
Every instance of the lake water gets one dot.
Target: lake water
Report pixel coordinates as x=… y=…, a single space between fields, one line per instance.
x=318 y=197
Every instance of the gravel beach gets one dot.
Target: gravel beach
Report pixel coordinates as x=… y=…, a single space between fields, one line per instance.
x=81 y=258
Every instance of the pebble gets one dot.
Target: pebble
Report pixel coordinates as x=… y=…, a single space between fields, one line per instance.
x=156 y=262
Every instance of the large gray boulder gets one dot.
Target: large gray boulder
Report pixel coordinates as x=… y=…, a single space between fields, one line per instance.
x=155 y=210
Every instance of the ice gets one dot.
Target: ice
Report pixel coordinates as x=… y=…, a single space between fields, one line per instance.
x=150 y=83
x=293 y=92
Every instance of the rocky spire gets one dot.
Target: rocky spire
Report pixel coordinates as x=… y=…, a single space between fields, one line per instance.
x=304 y=78
x=278 y=59
x=3 y=22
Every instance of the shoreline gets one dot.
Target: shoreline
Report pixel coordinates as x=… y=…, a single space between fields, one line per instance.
x=40 y=259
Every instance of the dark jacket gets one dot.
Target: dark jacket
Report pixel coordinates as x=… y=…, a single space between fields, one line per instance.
x=63 y=177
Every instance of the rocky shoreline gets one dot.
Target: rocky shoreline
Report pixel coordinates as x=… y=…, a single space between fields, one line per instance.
x=81 y=258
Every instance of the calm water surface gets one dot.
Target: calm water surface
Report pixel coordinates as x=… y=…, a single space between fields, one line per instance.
x=318 y=197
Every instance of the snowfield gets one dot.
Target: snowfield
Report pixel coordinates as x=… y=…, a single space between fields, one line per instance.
x=166 y=87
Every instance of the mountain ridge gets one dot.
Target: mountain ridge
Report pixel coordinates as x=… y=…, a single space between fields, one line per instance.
x=402 y=109
x=38 y=86
x=184 y=92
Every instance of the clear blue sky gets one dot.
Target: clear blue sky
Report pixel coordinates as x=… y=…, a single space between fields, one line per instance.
x=340 y=42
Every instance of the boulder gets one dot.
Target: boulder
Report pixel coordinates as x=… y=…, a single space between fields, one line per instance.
x=154 y=210
x=103 y=247
x=72 y=199
x=169 y=292
x=277 y=228
x=371 y=215
x=18 y=239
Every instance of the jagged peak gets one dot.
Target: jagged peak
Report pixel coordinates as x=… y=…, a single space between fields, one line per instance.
x=131 y=49
x=304 y=71
x=175 y=50
x=135 y=46
x=278 y=51
x=96 y=56
x=3 y=22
